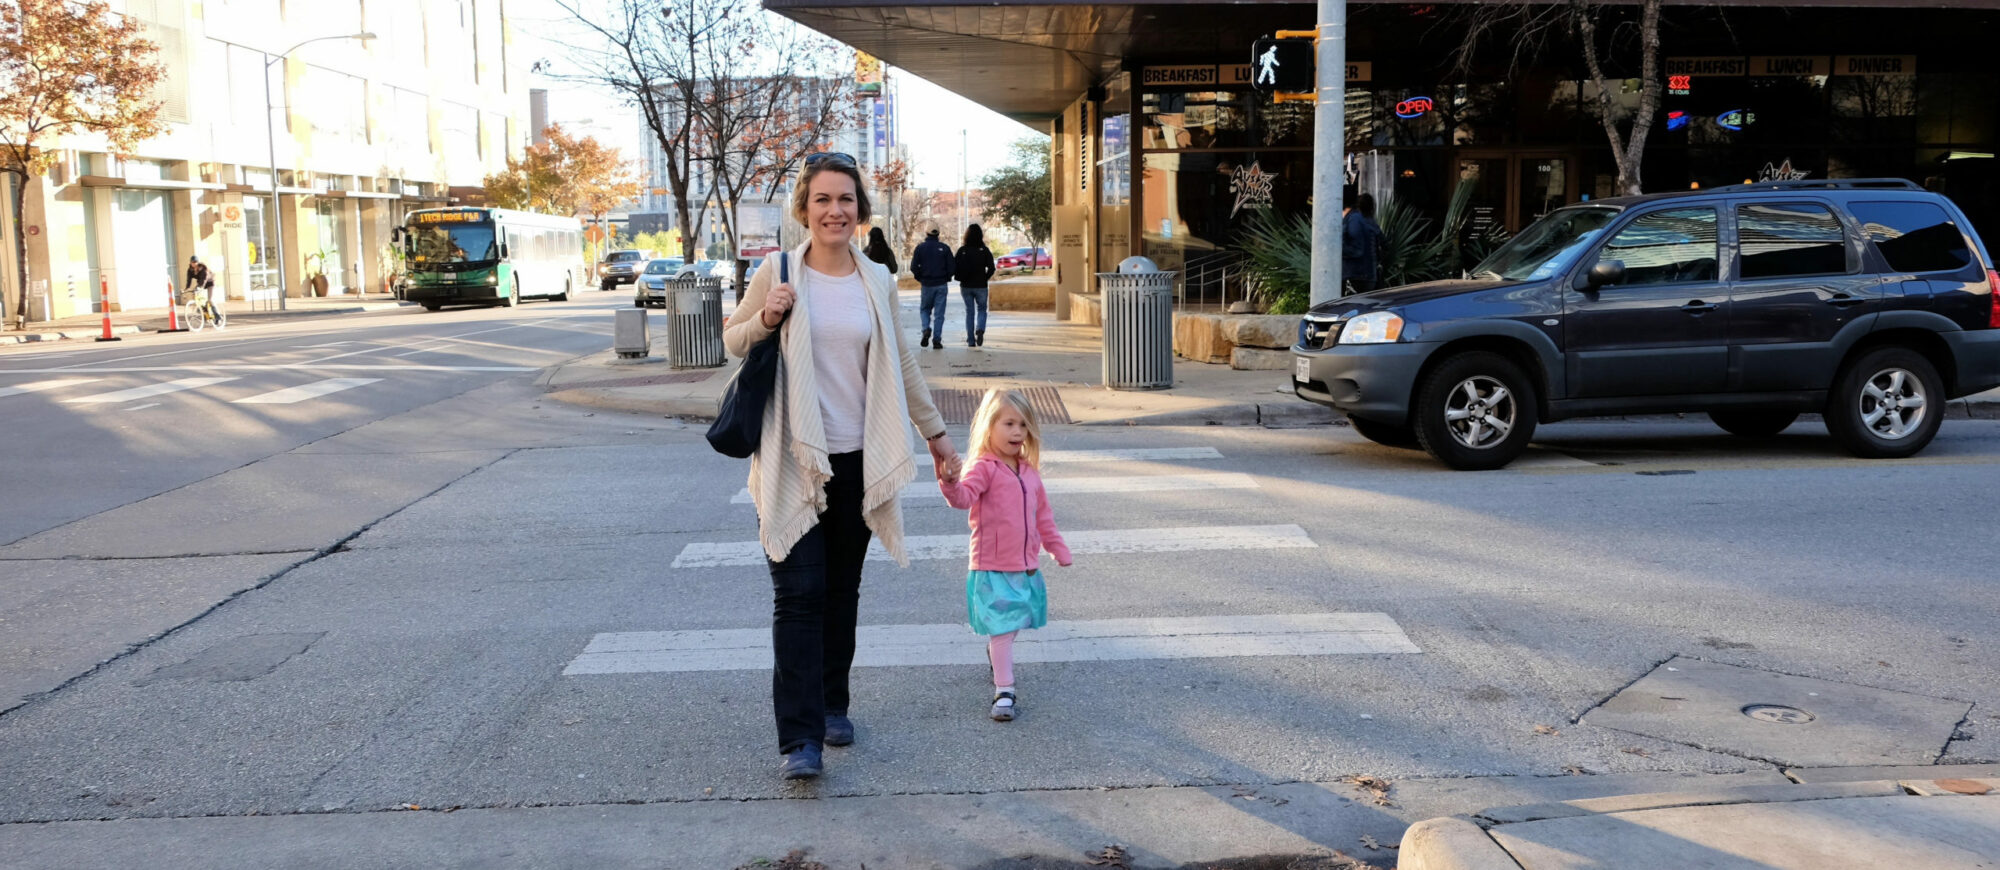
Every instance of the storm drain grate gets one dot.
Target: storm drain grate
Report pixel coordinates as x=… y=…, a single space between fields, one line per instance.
x=957 y=406
x=643 y=381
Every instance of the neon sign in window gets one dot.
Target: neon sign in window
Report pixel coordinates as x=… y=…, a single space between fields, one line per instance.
x=1680 y=86
x=1414 y=107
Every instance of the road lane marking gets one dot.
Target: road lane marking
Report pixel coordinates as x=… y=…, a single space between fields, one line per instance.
x=144 y=406
x=1130 y=454
x=148 y=391
x=1087 y=640
x=1082 y=485
x=303 y=392
x=39 y=386
x=282 y=367
x=1100 y=541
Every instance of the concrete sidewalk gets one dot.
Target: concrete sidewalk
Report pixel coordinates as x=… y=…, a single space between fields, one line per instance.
x=90 y=326
x=1933 y=821
x=1023 y=349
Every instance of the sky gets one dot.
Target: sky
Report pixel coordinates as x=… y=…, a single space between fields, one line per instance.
x=541 y=25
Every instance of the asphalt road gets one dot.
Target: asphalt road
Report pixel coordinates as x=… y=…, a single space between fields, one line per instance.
x=371 y=599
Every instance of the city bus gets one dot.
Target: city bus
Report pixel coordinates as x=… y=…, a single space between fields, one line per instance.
x=488 y=256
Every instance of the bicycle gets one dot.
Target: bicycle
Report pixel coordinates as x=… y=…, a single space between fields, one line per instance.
x=199 y=313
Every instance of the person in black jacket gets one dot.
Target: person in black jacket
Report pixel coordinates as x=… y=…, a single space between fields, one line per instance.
x=974 y=268
x=879 y=251
x=932 y=265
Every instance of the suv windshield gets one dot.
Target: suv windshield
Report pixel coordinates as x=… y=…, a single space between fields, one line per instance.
x=622 y=257
x=1546 y=247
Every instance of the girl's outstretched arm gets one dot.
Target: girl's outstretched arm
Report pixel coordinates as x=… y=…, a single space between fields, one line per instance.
x=971 y=484
x=1052 y=539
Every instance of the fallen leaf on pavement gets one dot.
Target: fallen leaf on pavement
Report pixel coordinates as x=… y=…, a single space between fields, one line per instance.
x=1547 y=731
x=1372 y=843
x=1963 y=786
x=1575 y=770
x=1111 y=856
x=1377 y=787
x=1634 y=750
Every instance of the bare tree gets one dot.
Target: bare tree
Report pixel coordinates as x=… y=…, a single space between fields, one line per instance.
x=652 y=53
x=1532 y=30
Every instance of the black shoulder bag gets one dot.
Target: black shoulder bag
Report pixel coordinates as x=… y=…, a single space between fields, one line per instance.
x=739 y=422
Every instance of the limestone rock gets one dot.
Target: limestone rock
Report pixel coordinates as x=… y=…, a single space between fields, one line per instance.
x=1261 y=330
x=1257 y=359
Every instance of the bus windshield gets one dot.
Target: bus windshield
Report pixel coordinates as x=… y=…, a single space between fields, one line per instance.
x=455 y=243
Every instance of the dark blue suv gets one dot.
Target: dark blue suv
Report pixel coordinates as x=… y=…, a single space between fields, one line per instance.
x=1869 y=301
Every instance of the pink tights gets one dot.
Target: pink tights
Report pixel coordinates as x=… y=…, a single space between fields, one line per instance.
x=1000 y=649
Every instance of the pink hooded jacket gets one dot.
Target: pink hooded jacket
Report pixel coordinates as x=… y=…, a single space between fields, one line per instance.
x=1011 y=520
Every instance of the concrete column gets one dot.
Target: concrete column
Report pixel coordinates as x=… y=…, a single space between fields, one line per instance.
x=301 y=233
x=103 y=254
x=374 y=233
x=354 y=256
x=231 y=240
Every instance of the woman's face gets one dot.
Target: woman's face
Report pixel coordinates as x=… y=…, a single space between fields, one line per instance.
x=831 y=208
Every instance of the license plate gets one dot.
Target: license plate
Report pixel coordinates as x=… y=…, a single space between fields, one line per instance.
x=1302 y=369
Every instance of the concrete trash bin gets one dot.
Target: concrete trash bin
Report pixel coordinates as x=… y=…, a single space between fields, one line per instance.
x=694 y=322
x=1138 y=326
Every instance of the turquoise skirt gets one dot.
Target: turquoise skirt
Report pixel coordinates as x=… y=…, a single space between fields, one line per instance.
x=997 y=602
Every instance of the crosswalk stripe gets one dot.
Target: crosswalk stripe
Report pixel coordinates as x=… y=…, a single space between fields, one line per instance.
x=303 y=392
x=1130 y=454
x=1080 y=485
x=883 y=646
x=149 y=390
x=39 y=386
x=1098 y=541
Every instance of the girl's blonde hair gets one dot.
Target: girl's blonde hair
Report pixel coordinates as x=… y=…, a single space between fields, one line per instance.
x=989 y=411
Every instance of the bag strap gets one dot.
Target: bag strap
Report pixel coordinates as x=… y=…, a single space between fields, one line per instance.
x=784 y=267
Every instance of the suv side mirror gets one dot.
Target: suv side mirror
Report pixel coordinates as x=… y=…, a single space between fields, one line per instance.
x=1606 y=272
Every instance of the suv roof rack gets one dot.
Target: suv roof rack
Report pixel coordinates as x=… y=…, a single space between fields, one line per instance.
x=1824 y=184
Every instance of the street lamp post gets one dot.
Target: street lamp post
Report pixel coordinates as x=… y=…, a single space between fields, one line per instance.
x=271 y=141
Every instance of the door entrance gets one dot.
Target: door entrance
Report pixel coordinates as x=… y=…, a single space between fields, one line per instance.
x=1513 y=188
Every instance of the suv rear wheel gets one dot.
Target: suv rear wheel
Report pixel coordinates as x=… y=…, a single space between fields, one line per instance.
x=1886 y=404
x=1476 y=411
x=1753 y=423
x=1379 y=432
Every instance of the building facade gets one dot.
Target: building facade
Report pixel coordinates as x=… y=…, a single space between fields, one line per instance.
x=364 y=131
x=1160 y=146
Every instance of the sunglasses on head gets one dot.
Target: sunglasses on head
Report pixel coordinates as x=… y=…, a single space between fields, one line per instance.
x=829 y=155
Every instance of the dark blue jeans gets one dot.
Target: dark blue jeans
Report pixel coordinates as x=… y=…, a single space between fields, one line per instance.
x=817 y=590
x=932 y=306
x=975 y=309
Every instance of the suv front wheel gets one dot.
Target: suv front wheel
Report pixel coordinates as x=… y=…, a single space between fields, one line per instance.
x=1886 y=404
x=1476 y=411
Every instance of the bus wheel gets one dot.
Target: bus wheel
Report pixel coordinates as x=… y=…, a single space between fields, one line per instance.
x=513 y=293
x=432 y=306
x=565 y=294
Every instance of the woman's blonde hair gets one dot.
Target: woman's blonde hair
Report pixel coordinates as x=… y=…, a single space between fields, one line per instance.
x=989 y=411
x=863 y=210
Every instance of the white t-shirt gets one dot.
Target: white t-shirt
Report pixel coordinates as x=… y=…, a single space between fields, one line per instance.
x=842 y=324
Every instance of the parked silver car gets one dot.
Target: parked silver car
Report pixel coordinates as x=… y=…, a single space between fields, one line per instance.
x=652 y=283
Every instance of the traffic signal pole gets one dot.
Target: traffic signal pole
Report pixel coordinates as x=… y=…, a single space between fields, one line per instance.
x=1329 y=145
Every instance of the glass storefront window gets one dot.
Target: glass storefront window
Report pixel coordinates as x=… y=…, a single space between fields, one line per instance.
x=1116 y=166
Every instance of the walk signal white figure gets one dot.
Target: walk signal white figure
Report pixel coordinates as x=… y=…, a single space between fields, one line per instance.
x=1267 y=66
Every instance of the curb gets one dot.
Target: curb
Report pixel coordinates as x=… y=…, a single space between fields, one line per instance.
x=1467 y=842
x=158 y=324
x=66 y=335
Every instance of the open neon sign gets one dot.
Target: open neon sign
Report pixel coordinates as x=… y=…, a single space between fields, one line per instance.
x=1414 y=107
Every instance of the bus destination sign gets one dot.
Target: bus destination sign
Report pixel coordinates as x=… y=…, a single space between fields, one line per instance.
x=447 y=217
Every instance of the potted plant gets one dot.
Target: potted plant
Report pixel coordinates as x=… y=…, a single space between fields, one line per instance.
x=315 y=268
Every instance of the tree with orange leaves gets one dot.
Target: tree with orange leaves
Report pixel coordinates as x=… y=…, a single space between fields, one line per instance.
x=69 y=68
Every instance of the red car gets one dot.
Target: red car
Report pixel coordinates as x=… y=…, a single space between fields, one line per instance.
x=1023 y=258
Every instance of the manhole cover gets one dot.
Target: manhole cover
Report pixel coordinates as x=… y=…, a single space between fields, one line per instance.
x=956 y=406
x=1778 y=714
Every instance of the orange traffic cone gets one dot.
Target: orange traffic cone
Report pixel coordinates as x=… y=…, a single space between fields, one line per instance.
x=104 y=294
x=173 y=312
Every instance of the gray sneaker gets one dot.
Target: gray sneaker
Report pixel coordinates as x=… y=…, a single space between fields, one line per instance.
x=1003 y=706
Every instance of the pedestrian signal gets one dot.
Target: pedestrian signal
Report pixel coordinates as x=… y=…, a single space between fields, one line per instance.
x=1282 y=65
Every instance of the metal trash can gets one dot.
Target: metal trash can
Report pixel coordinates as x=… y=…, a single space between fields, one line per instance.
x=1138 y=326
x=694 y=322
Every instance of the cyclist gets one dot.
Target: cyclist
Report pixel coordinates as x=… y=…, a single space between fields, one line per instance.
x=200 y=278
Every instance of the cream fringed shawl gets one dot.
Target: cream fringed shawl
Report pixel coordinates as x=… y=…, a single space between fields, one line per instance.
x=789 y=472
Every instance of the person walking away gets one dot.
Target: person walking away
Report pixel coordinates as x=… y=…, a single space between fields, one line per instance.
x=974 y=268
x=879 y=250
x=199 y=277
x=932 y=264
x=1361 y=244
x=1011 y=526
x=835 y=450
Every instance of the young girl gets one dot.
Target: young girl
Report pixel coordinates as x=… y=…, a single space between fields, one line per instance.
x=1011 y=525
